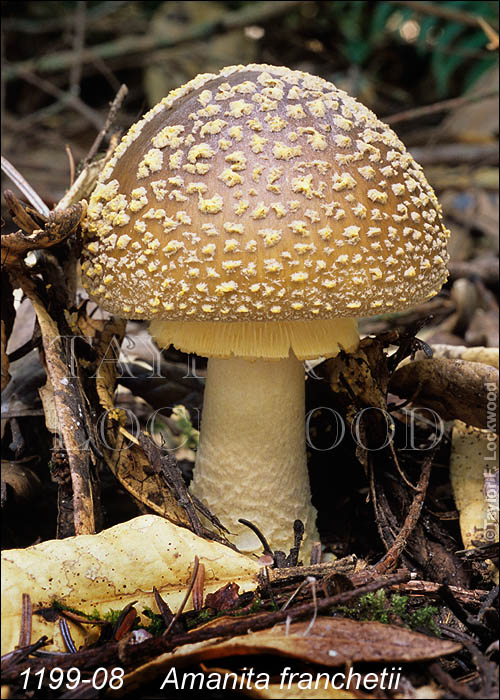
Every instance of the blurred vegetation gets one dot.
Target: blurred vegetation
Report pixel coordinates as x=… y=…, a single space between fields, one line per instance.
x=63 y=61
x=451 y=47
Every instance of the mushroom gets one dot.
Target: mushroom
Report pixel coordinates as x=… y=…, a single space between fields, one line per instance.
x=252 y=216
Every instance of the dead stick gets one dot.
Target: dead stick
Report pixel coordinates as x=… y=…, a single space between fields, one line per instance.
x=442 y=11
x=430 y=589
x=115 y=106
x=390 y=559
x=186 y=597
x=444 y=105
x=458 y=689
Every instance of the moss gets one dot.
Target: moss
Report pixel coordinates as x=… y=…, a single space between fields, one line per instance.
x=423 y=618
x=378 y=607
x=157 y=625
x=95 y=615
x=112 y=616
x=200 y=619
x=256 y=605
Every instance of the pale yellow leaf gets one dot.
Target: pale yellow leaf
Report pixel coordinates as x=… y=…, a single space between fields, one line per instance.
x=111 y=569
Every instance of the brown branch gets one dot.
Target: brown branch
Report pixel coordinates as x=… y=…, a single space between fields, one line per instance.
x=26 y=618
x=79 y=19
x=265 y=620
x=443 y=106
x=65 y=389
x=430 y=589
x=462 y=153
x=442 y=11
x=66 y=98
x=113 y=110
x=134 y=44
x=447 y=682
x=390 y=559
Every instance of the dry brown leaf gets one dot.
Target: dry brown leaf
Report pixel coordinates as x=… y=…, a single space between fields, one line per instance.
x=4 y=357
x=124 y=456
x=331 y=642
x=362 y=374
x=455 y=389
x=362 y=377
x=60 y=225
x=108 y=341
x=133 y=470
x=111 y=569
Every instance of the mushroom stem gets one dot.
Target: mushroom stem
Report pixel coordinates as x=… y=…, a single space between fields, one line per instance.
x=251 y=460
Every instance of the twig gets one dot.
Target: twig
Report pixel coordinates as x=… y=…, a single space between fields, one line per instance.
x=64 y=98
x=113 y=110
x=66 y=389
x=78 y=45
x=429 y=588
x=298 y=534
x=26 y=189
x=315 y=553
x=444 y=105
x=186 y=597
x=391 y=558
x=301 y=585
x=17 y=655
x=265 y=544
x=490 y=33
x=133 y=44
x=462 y=153
x=25 y=633
x=473 y=624
x=346 y=565
x=449 y=683
x=265 y=620
x=487 y=602
x=71 y=161
x=443 y=11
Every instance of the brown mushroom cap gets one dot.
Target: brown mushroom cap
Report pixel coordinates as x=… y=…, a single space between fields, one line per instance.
x=262 y=194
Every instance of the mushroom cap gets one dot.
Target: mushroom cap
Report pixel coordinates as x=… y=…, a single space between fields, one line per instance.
x=262 y=194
